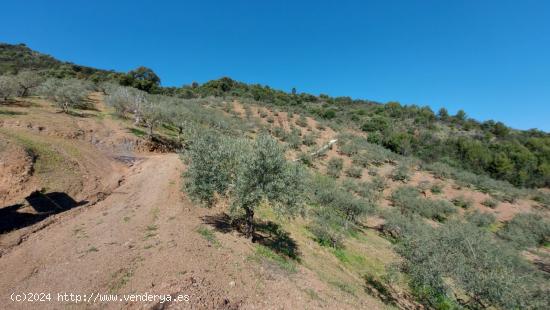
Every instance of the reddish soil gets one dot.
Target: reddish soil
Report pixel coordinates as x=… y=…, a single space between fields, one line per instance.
x=136 y=231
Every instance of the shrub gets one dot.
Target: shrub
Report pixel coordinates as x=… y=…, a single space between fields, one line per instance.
x=460 y=257
x=436 y=188
x=278 y=132
x=526 y=230
x=334 y=167
x=480 y=219
x=309 y=139
x=462 y=202
x=302 y=121
x=328 y=227
x=408 y=200
x=263 y=113
x=270 y=119
x=327 y=193
x=542 y=198
x=293 y=139
x=401 y=173
x=354 y=172
x=378 y=183
x=490 y=203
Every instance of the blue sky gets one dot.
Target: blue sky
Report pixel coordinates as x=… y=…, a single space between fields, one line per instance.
x=490 y=58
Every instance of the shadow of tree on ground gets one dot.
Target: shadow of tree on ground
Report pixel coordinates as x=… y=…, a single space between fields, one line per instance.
x=44 y=205
x=267 y=233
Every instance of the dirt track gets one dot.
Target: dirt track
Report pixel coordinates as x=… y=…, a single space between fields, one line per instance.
x=142 y=238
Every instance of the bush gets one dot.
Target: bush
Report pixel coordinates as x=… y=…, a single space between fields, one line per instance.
x=378 y=183
x=354 y=172
x=480 y=219
x=327 y=193
x=328 y=227
x=278 y=132
x=460 y=257
x=401 y=173
x=526 y=230
x=490 y=203
x=408 y=200
x=542 y=198
x=462 y=202
x=310 y=139
x=334 y=167
x=302 y=121
x=436 y=188
x=293 y=139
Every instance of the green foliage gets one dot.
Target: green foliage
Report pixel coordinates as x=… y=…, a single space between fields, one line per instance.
x=293 y=139
x=436 y=188
x=487 y=272
x=490 y=203
x=526 y=230
x=302 y=121
x=334 y=167
x=141 y=78
x=480 y=219
x=462 y=202
x=354 y=172
x=401 y=173
x=19 y=58
x=214 y=161
x=328 y=227
x=263 y=175
x=67 y=94
x=408 y=200
x=326 y=192
x=8 y=87
x=310 y=139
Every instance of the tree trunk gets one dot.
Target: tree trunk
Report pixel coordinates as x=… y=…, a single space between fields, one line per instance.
x=249 y=222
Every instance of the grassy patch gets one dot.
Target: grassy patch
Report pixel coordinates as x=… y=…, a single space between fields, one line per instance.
x=265 y=254
x=344 y=287
x=137 y=132
x=11 y=113
x=119 y=279
x=209 y=236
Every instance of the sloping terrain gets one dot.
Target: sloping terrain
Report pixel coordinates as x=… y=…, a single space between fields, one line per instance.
x=127 y=226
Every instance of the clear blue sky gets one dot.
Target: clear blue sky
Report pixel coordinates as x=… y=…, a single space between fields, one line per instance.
x=491 y=58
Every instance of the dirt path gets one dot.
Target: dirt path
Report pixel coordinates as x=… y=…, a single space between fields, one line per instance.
x=142 y=238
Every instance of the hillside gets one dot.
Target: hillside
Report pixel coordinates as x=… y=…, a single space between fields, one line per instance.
x=241 y=196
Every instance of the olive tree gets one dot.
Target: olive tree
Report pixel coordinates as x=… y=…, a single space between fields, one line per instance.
x=265 y=175
x=8 y=87
x=27 y=81
x=67 y=93
x=460 y=259
x=127 y=100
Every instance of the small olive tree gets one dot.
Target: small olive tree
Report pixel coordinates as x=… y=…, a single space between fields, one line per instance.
x=265 y=175
x=8 y=87
x=27 y=81
x=67 y=93
x=127 y=100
